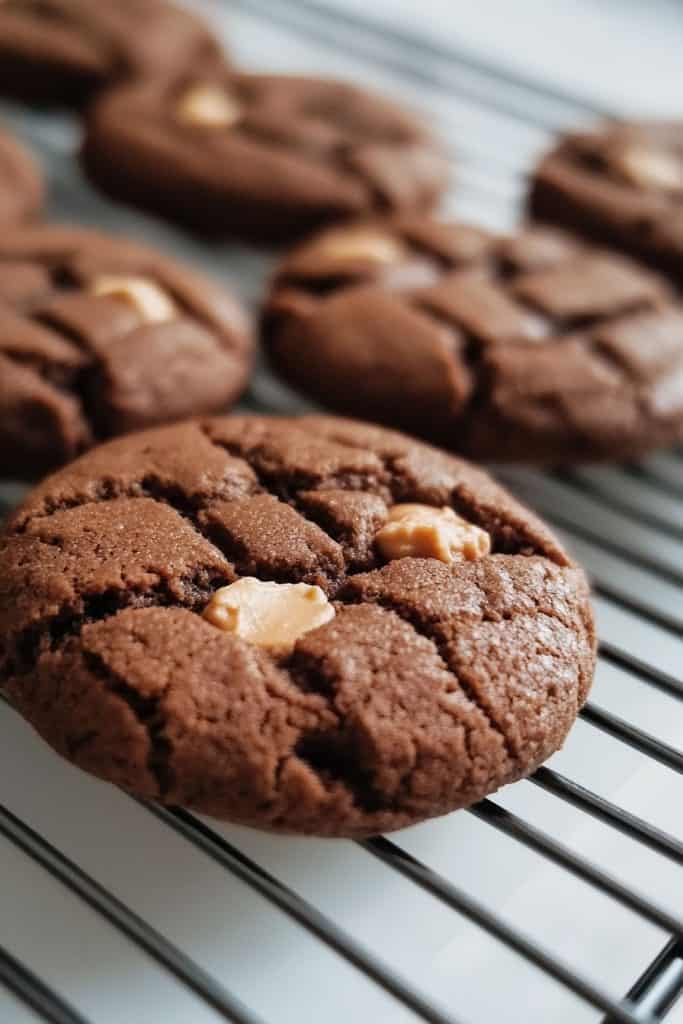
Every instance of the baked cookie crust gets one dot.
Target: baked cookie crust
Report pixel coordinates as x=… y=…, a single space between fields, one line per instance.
x=429 y=684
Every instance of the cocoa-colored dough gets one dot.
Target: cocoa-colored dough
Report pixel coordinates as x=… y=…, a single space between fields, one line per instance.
x=60 y=52
x=76 y=367
x=302 y=152
x=536 y=347
x=620 y=184
x=432 y=686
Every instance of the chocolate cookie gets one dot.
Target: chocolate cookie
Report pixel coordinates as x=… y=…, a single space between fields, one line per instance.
x=536 y=347
x=61 y=51
x=99 y=336
x=261 y=156
x=21 y=183
x=308 y=625
x=622 y=184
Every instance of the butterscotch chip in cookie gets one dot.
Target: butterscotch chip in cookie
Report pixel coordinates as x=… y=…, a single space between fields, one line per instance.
x=344 y=244
x=206 y=104
x=148 y=300
x=420 y=531
x=651 y=168
x=269 y=614
x=100 y=336
x=336 y=694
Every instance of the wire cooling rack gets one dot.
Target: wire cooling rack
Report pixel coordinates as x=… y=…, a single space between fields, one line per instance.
x=557 y=901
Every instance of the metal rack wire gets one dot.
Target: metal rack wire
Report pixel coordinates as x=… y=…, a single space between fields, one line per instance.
x=625 y=523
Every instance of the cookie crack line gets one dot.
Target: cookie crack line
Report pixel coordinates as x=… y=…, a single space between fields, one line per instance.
x=75 y=387
x=105 y=489
x=634 y=383
x=474 y=350
x=54 y=631
x=331 y=752
x=268 y=482
x=232 y=551
x=169 y=498
x=68 y=621
x=148 y=713
x=423 y=631
x=41 y=368
x=459 y=501
x=519 y=337
x=340 y=151
x=343 y=169
x=90 y=323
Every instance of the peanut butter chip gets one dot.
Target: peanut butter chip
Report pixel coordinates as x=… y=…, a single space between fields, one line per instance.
x=210 y=105
x=269 y=614
x=421 y=531
x=152 y=304
x=359 y=245
x=652 y=168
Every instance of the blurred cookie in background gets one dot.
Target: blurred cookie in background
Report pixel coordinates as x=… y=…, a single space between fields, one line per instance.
x=22 y=191
x=621 y=184
x=62 y=51
x=263 y=157
x=98 y=337
x=536 y=347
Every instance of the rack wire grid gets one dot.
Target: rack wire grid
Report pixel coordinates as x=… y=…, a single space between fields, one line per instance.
x=557 y=901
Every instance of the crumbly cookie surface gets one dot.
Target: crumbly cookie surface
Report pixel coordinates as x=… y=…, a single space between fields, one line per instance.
x=429 y=683
x=266 y=157
x=536 y=347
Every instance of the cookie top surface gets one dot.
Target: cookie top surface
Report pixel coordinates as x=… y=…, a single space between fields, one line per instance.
x=420 y=683
x=536 y=347
x=54 y=51
x=99 y=336
x=265 y=156
x=621 y=183
x=21 y=183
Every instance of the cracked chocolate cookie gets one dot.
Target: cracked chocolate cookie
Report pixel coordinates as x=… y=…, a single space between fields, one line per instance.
x=21 y=183
x=308 y=625
x=100 y=336
x=537 y=347
x=266 y=157
x=620 y=184
x=61 y=51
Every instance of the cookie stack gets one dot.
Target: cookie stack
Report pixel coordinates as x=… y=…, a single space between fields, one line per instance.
x=310 y=625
